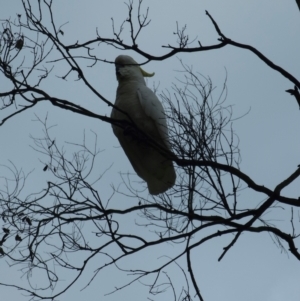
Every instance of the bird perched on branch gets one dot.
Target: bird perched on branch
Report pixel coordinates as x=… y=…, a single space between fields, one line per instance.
x=146 y=142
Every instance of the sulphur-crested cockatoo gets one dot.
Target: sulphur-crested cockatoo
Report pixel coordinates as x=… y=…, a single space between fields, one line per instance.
x=147 y=113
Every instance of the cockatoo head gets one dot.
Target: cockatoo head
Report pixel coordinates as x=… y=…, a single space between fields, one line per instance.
x=128 y=68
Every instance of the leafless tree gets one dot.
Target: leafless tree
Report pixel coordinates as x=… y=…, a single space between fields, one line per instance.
x=67 y=224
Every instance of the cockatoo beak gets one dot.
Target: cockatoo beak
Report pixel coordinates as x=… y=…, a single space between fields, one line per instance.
x=146 y=74
x=118 y=69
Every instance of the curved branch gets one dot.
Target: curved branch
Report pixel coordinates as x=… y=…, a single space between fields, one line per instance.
x=273 y=66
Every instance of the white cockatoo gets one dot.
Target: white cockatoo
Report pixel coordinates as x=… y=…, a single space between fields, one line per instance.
x=147 y=113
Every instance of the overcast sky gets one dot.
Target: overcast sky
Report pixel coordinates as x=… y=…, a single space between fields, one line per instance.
x=255 y=269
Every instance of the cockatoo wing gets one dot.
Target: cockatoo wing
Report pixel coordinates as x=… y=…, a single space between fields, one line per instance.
x=154 y=110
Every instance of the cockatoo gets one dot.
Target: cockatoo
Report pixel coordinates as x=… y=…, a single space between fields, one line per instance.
x=147 y=113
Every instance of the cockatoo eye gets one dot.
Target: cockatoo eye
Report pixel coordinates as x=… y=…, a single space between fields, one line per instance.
x=118 y=66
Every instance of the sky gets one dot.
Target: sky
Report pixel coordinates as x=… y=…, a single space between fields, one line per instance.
x=255 y=269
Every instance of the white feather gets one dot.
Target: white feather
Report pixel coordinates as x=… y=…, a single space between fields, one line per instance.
x=154 y=110
x=146 y=111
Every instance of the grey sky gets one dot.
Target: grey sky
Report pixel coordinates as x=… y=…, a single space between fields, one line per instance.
x=255 y=269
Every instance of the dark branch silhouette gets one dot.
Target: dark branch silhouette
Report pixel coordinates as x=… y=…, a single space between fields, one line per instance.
x=43 y=230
